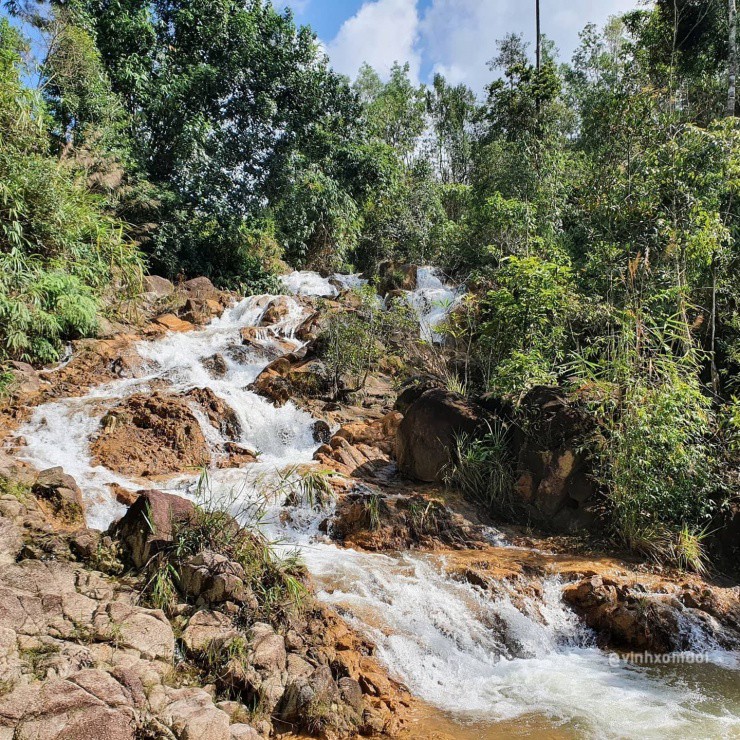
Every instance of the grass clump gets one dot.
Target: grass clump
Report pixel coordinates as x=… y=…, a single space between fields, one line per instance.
x=482 y=470
x=16 y=489
x=229 y=525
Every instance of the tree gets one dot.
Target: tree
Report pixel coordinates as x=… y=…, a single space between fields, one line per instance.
x=732 y=57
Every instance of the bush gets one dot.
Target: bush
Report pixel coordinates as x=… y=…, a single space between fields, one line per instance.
x=354 y=341
x=227 y=250
x=60 y=254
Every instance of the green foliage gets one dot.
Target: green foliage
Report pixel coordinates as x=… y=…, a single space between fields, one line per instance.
x=656 y=458
x=319 y=219
x=59 y=252
x=353 y=341
x=226 y=250
x=223 y=524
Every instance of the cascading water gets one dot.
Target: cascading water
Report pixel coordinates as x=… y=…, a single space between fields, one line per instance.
x=482 y=659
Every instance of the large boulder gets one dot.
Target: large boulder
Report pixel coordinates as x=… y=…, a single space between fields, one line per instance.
x=428 y=434
x=157 y=286
x=625 y=615
x=147 y=527
x=151 y=434
x=25 y=379
x=378 y=522
x=89 y=705
x=554 y=477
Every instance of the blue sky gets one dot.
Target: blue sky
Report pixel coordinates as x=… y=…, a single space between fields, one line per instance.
x=455 y=37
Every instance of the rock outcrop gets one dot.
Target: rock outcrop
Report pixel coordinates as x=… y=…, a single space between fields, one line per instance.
x=383 y=522
x=150 y=434
x=627 y=616
x=147 y=526
x=428 y=434
x=60 y=498
x=554 y=480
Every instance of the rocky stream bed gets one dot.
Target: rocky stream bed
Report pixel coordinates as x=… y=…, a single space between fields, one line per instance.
x=424 y=621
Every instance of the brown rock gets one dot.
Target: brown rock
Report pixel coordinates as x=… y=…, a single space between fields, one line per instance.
x=146 y=528
x=277 y=309
x=206 y=627
x=216 y=365
x=158 y=286
x=25 y=379
x=200 y=288
x=219 y=413
x=428 y=434
x=172 y=323
x=212 y=578
x=153 y=434
x=60 y=497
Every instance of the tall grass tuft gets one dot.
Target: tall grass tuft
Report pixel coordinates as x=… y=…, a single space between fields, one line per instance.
x=482 y=470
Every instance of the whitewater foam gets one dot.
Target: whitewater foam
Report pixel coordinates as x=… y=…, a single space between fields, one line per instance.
x=482 y=657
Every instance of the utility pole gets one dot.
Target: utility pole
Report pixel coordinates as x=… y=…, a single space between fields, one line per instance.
x=539 y=39
x=732 y=63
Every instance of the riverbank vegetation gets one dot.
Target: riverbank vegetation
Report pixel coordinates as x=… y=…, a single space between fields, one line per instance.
x=590 y=205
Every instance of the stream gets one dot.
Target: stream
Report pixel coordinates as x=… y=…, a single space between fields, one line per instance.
x=486 y=668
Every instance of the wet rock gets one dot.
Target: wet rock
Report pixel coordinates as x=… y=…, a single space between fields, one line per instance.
x=152 y=434
x=60 y=497
x=216 y=365
x=278 y=309
x=219 y=413
x=625 y=615
x=321 y=431
x=379 y=433
x=170 y=322
x=238 y=455
x=146 y=528
x=373 y=521
x=272 y=384
x=428 y=434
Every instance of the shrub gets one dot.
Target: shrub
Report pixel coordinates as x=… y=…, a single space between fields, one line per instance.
x=60 y=254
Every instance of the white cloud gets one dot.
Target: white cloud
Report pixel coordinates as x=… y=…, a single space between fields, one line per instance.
x=458 y=37
x=380 y=33
x=455 y=37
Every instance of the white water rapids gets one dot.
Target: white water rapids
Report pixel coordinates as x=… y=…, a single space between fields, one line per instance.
x=478 y=658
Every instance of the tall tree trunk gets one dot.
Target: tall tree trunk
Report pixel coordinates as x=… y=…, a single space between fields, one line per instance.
x=732 y=45
x=539 y=37
x=538 y=47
